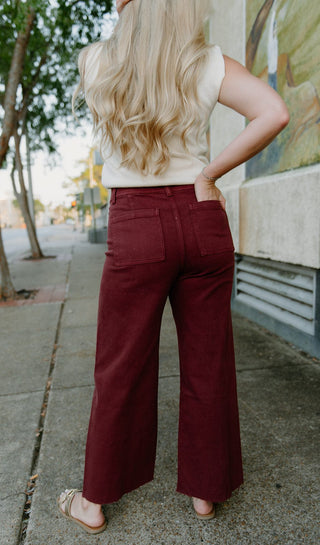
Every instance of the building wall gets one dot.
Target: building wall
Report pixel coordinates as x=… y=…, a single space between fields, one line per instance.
x=273 y=204
x=280 y=217
x=10 y=216
x=272 y=216
x=229 y=35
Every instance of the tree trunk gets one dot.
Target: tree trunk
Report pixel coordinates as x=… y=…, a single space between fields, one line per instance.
x=14 y=79
x=7 y=290
x=30 y=185
x=22 y=198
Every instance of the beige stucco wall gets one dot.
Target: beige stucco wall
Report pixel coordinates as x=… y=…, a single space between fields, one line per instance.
x=278 y=216
x=227 y=124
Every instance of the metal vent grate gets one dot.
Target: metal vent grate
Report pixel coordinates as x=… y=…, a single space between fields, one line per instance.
x=285 y=292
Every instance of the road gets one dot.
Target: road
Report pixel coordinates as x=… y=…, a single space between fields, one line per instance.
x=16 y=242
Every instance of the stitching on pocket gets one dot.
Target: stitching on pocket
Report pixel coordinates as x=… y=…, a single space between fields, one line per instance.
x=211 y=203
x=211 y=229
x=138 y=237
x=133 y=214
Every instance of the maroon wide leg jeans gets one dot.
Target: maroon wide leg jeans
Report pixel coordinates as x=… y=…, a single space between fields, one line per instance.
x=162 y=242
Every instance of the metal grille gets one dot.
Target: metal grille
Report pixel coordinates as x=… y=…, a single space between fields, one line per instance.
x=282 y=291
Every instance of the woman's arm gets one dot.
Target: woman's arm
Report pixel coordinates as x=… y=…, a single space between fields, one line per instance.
x=267 y=115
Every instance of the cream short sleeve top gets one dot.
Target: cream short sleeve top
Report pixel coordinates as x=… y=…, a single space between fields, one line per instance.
x=184 y=166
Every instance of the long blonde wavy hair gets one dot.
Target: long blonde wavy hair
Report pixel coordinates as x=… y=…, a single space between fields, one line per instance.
x=146 y=86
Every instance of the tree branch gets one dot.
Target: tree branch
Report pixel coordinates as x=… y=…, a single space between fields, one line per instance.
x=28 y=90
x=14 y=185
x=14 y=79
x=74 y=3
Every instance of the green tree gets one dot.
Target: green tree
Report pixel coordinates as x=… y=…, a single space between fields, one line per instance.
x=39 y=45
x=38 y=206
x=90 y=176
x=8 y=94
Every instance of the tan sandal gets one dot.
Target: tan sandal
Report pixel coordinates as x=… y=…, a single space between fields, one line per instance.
x=68 y=498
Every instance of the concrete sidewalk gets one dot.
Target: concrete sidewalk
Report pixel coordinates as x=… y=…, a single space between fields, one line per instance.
x=47 y=353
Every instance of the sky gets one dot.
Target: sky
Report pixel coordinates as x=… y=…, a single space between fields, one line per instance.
x=48 y=179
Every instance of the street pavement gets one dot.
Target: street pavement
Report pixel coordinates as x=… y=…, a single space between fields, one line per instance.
x=46 y=385
x=16 y=242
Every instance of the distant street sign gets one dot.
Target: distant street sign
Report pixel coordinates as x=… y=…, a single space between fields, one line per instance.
x=92 y=195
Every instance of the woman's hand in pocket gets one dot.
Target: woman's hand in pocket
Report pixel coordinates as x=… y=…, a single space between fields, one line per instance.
x=206 y=190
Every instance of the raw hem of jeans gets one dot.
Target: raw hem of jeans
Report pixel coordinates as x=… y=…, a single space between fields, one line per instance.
x=215 y=498
x=103 y=500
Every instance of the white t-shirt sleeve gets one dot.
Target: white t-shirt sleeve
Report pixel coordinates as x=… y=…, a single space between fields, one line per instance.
x=219 y=68
x=210 y=84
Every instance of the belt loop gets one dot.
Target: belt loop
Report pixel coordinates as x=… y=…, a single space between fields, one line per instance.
x=113 y=195
x=168 y=191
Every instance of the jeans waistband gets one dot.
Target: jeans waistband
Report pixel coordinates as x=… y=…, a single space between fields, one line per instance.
x=163 y=189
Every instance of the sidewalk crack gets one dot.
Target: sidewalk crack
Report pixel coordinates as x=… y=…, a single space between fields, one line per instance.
x=31 y=484
x=22 y=393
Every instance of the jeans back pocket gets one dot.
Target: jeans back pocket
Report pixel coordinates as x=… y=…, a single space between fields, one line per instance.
x=137 y=237
x=211 y=227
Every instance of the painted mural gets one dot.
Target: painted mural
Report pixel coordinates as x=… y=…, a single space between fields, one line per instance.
x=283 y=48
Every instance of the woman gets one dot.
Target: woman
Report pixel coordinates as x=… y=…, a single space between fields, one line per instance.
x=151 y=89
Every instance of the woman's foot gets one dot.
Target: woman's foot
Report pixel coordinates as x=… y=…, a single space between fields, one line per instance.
x=204 y=509
x=90 y=514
